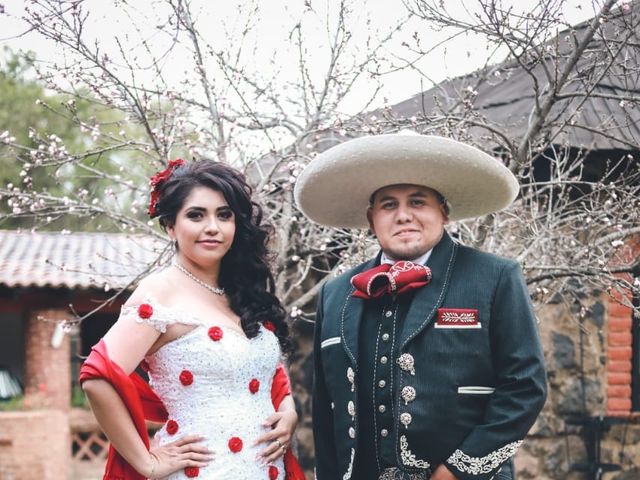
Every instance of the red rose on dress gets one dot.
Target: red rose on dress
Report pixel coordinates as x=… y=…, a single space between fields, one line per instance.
x=145 y=311
x=254 y=385
x=192 y=472
x=273 y=472
x=269 y=326
x=215 y=333
x=186 y=377
x=172 y=427
x=235 y=444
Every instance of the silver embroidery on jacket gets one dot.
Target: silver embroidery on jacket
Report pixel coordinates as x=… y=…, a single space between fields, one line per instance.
x=394 y=473
x=478 y=465
x=408 y=458
x=347 y=475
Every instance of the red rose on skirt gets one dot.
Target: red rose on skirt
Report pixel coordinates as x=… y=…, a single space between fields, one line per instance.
x=172 y=427
x=192 y=472
x=273 y=472
x=215 y=333
x=235 y=444
x=186 y=378
x=145 y=311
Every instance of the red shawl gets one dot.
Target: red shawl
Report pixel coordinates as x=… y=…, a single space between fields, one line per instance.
x=143 y=403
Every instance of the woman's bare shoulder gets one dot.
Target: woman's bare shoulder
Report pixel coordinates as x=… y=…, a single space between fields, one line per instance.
x=157 y=285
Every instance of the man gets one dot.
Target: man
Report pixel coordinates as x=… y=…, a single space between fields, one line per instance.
x=427 y=358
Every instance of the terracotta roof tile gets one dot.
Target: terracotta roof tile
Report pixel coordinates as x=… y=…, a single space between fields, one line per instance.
x=74 y=260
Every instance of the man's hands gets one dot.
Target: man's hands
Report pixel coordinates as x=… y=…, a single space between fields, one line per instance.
x=443 y=473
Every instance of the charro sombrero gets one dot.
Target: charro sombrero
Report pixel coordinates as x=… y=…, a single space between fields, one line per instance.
x=334 y=189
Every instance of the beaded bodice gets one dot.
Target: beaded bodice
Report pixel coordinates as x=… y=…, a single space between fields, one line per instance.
x=215 y=382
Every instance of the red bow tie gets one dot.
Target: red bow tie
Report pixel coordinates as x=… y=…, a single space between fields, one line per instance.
x=400 y=278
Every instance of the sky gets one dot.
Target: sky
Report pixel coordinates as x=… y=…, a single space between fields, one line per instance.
x=273 y=26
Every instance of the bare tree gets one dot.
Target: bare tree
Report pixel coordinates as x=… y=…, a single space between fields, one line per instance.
x=568 y=128
x=558 y=104
x=561 y=111
x=266 y=112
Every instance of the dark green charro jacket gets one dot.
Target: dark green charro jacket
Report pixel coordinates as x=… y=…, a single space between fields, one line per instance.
x=476 y=391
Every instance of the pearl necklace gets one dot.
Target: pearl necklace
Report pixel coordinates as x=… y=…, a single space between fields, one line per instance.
x=216 y=290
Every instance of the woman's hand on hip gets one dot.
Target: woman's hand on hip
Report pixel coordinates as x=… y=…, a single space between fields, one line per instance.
x=282 y=424
x=172 y=457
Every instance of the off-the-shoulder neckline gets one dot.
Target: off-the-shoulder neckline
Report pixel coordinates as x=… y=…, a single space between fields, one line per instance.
x=198 y=321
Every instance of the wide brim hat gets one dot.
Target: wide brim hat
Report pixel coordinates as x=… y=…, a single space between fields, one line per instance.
x=335 y=188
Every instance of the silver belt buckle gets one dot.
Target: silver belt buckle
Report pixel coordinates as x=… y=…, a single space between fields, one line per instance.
x=394 y=473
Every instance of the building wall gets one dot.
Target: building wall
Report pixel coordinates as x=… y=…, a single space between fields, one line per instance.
x=34 y=445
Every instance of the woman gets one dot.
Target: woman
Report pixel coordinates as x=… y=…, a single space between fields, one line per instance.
x=211 y=333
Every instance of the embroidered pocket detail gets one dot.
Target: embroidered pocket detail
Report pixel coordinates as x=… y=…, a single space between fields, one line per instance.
x=458 y=318
x=330 y=341
x=472 y=390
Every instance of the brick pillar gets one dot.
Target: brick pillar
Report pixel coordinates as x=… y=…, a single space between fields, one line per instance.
x=620 y=341
x=619 y=358
x=47 y=369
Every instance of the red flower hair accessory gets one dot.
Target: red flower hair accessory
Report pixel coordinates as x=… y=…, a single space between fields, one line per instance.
x=269 y=325
x=157 y=180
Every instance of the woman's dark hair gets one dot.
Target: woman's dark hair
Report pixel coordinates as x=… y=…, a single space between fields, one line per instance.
x=244 y=271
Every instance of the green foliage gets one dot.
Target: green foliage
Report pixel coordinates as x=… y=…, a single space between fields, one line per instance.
x=78 y=399
x=40 y=119
x=12 y=404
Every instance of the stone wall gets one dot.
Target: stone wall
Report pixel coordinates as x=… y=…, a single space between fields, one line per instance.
x=34 y=445
x=577 y=341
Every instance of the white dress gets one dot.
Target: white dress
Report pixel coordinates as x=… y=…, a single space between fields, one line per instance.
x=215 y=382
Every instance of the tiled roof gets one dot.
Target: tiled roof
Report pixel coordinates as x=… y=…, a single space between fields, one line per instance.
x=74 y=260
